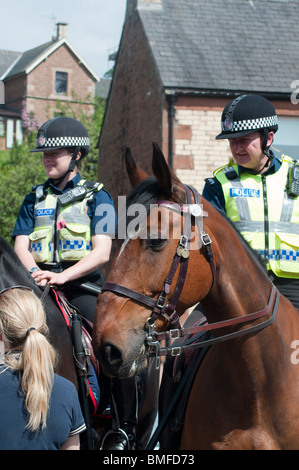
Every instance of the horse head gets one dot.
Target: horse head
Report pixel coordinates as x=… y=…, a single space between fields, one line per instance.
x=144 y=260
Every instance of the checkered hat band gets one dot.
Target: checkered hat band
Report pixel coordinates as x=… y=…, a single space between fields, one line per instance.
x=66 y=142
x=252 y=124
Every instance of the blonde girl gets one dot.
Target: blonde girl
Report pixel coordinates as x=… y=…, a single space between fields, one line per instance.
x=38 y=409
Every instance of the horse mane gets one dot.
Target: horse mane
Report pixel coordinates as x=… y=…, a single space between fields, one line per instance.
x=12 y=271
x=146 y=193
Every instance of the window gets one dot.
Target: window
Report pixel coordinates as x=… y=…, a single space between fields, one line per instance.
x=12 y=130
x=286 y=139
x=19 y=131
x=2 y=127
x=9 y=133
x=61 y=83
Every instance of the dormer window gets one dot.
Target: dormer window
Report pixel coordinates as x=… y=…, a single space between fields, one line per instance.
x=61 y=83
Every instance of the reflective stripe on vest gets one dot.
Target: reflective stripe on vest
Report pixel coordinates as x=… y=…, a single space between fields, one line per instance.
x=61 y=233
x=245 y=207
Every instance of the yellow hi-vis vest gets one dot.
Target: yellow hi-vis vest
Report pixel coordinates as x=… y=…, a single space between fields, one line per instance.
x=61 y=232
x=265 y=214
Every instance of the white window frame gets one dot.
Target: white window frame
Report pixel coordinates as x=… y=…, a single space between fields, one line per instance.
x=286 y=139
x=64 y=92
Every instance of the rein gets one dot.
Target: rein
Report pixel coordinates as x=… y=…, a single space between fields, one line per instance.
x=271 y=306
x=159 y=306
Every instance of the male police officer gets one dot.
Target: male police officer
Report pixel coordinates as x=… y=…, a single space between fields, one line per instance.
x=258 y=192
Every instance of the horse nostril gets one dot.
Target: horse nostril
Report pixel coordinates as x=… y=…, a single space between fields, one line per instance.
x=111 y=354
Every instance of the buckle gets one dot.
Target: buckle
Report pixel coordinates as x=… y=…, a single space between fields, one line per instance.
x=183 y=241
x=182 y=249
x=174 y=334
x=155 y=345
x=206 y=239
x=176 y=351
x=161 y=301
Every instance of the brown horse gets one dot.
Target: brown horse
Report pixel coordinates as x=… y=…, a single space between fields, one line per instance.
x=246 y=392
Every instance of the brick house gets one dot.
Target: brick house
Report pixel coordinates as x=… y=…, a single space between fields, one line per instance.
x=41 y=77
x=178 y=64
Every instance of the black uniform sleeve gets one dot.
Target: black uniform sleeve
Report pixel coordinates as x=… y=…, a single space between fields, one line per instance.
x=213 y=193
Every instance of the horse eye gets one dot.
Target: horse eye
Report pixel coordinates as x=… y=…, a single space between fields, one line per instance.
x=155 y=244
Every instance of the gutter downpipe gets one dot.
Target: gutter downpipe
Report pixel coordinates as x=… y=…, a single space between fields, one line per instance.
x=171 y=99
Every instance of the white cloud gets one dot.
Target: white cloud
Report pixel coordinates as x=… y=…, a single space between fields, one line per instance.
x=94 y=26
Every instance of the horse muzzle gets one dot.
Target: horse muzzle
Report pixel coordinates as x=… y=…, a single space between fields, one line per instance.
x=114 y=363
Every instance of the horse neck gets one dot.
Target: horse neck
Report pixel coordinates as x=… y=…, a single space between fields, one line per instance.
x=241 y=285
x=241 y=288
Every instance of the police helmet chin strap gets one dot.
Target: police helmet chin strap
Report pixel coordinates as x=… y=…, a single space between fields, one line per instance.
x=73 y=160
x=70 y=168
x=266 y=151
x=270 y=157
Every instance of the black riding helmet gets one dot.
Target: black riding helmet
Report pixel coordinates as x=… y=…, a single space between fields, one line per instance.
x=63 y=132
x=246 y=114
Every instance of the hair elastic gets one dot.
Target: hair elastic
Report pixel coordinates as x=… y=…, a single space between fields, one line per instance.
x=28 y=331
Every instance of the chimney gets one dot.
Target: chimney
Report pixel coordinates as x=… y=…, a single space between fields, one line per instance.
x=61 y=30
x=132 y=5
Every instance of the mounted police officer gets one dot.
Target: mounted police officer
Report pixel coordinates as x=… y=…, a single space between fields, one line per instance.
x=57 y=234
x=64 y=231
x=259 y=192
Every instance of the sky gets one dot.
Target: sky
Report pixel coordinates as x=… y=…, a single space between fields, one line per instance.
x=94 y=27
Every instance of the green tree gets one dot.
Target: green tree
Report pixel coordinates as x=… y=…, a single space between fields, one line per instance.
x=93 y=124
x=18 y=174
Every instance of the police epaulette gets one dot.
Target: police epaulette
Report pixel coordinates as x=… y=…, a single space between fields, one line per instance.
x=210 y=181
x=93 y=185
x=90 y=184
x=40 y=190
x=44 y=185
x=230 y=173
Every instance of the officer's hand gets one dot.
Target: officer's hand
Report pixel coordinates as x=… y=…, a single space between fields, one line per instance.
x=48 y=277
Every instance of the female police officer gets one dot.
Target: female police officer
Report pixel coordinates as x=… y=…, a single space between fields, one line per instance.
x=258 y=191
x=59 y=240
x=63 y=233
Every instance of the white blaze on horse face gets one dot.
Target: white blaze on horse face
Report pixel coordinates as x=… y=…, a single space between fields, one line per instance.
x=133 y=234
x=123 y=247
x=136 y=228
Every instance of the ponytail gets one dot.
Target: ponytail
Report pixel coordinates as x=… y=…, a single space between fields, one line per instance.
x=23 y=327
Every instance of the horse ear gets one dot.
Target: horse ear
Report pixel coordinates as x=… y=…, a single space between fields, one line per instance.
x=135 y=174
x=166 y=177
